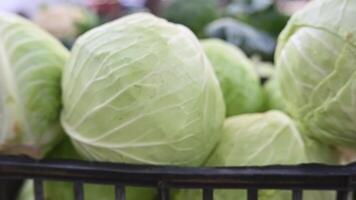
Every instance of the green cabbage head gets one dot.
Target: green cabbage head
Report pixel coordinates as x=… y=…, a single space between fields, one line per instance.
x=316 y=63
x=141 y=90
x=238 y=80
x=263 y=139
x=31 y=63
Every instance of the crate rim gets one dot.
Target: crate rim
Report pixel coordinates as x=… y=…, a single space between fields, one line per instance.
x=303 y=176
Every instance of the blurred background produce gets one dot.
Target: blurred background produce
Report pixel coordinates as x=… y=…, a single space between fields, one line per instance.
x=66 y=22
x=194 y=14
x=239 y=81
x=239 y=38
x=253 y=25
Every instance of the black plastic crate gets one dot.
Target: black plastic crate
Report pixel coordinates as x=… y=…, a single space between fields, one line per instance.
x=341 y=179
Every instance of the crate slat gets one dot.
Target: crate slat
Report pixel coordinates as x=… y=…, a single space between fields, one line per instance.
x=163 y=192
x=342 y=195
x=208 y=194
x=38 y=189
x=120 y=193
x=297 y=194
x=252 y=194
x=78 y=191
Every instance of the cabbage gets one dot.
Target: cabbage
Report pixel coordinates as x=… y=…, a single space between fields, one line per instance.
x=31 y=63
x=273 y=99
x=273 y=96
x=316 y=59
x=60 y=190
x=281 y=134
x=141 y=90
x=238 y=80
x=263 y=139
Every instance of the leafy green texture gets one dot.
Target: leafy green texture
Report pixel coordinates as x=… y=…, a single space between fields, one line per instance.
x=273 y=96
x=31 y=63
x=269 y=20
x=141 y=90
x=252 y=41
x=316 y=59
x=263 y=139
x=238 y=79
x=58 y=190
x=261 y=14
x=193 y=14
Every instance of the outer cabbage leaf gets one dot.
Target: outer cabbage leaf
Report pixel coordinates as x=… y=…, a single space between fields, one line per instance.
x=141 y=90
x=316 y=59
x=58 y=190
x=238 y=80
x=31 y=63
x=264 y=139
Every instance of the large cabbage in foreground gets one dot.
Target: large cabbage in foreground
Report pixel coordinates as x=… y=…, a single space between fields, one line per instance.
x=31 y=63
x=316 y=62
x=238 y=80
x=141 y=90
x=263 y=139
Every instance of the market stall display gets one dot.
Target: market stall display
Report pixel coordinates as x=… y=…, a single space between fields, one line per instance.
x=144 y=108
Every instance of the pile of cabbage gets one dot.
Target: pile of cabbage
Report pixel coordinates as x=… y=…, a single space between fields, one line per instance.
x=143 y=90
x=31 y=67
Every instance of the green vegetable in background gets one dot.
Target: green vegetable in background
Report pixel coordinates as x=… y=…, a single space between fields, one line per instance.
x=58 y=190
x=273 y=95
x=195 y=14
x=316 y=59
x=252 y=41
x=141 y=90
x=89 y=21
x=270 y=21
x=261 y=14
x=263 y=139
x=272 y=91
x=31 y=63
x=238 y=79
